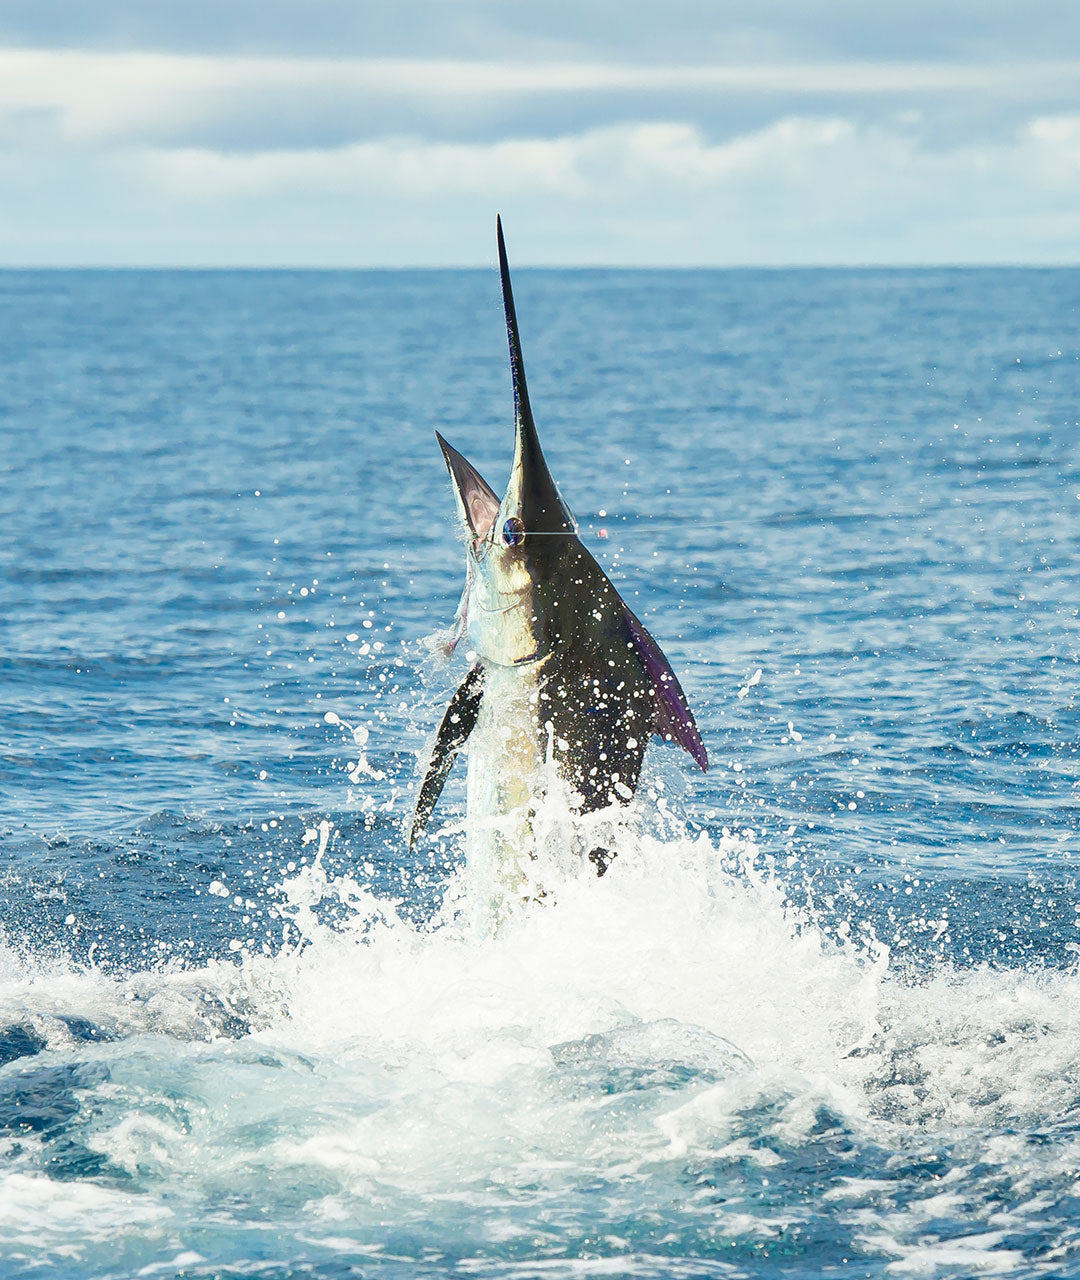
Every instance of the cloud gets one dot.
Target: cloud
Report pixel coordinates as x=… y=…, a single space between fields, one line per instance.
x=803 y=189
x=136 y=156
x=95 y=97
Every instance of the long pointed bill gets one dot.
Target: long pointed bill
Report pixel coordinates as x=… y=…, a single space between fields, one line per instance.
x=532 y=494
x=478 y=504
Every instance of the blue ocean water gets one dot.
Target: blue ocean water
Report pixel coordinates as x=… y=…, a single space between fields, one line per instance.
x=822 y=1015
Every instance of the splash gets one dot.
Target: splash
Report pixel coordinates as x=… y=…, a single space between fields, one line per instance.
x=672 y=1064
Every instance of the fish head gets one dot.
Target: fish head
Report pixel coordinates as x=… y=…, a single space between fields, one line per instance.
x=514 y=547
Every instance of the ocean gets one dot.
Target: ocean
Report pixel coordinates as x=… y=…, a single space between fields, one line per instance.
x=821 y=1017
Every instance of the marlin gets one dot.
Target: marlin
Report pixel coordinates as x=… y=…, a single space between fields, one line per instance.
x=565 y=674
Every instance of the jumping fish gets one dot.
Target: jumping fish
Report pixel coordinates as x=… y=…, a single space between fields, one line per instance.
x=565 y=674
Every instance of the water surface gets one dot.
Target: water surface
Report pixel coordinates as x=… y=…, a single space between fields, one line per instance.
x=822 y=1014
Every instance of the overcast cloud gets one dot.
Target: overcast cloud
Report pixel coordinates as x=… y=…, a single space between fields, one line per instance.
x=332 y=133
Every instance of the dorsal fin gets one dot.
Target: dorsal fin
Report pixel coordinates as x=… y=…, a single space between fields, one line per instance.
x=537 y=499
x=522 y=408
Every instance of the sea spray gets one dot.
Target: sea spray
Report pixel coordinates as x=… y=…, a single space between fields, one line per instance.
x=454 y=1087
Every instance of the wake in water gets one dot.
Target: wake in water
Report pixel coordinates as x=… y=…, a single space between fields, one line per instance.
x=672 y=1070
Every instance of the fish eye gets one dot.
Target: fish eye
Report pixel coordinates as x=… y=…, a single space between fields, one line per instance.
x=513 y=532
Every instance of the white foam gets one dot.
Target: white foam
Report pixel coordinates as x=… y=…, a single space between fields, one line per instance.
x=610 y=1028
x=46 y=1222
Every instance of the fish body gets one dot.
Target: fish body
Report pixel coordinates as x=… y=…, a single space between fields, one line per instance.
x=567 y=684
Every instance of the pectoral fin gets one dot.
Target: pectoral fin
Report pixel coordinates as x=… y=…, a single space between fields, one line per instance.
x=458 y=722
x=674 y=719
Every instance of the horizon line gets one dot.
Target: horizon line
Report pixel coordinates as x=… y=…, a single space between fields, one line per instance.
x=392 y=268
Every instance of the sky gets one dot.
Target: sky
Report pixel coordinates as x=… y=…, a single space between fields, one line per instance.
x=614 y=132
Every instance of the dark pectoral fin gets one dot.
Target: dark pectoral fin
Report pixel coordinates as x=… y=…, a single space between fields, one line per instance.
x=674 y=719
x=458 y=722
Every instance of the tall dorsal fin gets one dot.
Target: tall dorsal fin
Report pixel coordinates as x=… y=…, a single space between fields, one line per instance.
x=522 y=408
x=533 y=492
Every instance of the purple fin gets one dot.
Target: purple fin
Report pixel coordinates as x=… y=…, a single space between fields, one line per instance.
x=674 y=719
